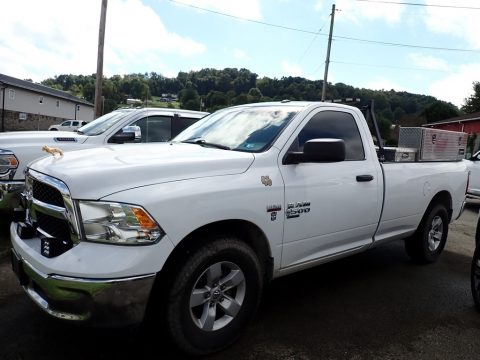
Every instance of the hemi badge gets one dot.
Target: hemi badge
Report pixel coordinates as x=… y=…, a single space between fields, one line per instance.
x=272 y=208
x=65 y=139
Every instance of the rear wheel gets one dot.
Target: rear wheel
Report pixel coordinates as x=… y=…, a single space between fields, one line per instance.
x=214 y=296
x=427 y=243
x=475 y=278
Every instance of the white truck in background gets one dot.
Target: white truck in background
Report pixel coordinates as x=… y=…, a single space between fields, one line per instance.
x=190 y=231
x=68 y=125
x=18 y=148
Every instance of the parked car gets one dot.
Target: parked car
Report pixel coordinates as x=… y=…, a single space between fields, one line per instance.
x=18 y=148
x=475 y=269
x=68 y=125
x=473 y=165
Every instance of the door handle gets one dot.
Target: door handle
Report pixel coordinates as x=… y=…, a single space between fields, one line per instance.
x=364 y=178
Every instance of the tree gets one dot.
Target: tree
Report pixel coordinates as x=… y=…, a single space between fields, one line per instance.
x=472 y=103
x=255 y=94
x=189 y=98
x=440 y=110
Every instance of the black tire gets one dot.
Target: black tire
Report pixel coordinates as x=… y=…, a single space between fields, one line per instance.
x=475 y=278
x=213 y=296
x=427 y=243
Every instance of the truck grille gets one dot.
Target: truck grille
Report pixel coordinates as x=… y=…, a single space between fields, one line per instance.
x=51 y=208
x=57 y=228
x=47 y=194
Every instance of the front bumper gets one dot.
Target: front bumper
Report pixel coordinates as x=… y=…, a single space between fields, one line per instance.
x=10 y=193
x=99 y=302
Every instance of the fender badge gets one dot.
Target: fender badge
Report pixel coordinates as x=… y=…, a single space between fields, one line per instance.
x=266 y=180
x=274 y=208
x=53 y=150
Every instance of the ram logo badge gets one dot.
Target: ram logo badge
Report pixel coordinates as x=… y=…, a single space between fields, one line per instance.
x=266 y=180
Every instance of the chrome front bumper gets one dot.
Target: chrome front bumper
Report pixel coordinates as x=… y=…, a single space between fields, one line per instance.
x=99 y=302
x=10 y=193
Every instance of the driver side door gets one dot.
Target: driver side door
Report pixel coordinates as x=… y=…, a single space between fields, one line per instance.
x=330 y=207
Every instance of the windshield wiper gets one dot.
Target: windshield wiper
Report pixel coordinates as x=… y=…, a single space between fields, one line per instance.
x=202 y=142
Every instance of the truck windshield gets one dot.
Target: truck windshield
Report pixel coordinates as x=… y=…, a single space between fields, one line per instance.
x=103 y=123
x=250 y=129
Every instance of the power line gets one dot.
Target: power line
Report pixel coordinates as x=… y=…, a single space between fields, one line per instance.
x=387 y=66
x=377 y=66
x=313 y=40
x=385 y=43
x=425 y=5
x=246 y=19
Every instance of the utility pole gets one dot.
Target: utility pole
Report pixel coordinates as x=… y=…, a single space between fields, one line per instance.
x=101 y=40
x=327 y=62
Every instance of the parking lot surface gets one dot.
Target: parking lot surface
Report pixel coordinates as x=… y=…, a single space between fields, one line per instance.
x=375 y=305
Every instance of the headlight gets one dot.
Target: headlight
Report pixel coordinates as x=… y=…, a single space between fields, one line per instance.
x=8 y=161
x=116 y=223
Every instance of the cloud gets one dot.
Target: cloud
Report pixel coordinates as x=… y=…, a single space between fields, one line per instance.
x=457 y=86
x=60 y=37
x=429 y=62
x=247 y=9
x=462 y=23
x=241 y=55
x=290 y=69
x=358 y=12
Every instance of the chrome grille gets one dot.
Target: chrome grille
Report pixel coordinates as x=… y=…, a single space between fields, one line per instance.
x=50 y=207
x=52 y=226
x=47 y=194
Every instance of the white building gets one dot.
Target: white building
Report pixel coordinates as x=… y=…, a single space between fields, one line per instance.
x=28 y=106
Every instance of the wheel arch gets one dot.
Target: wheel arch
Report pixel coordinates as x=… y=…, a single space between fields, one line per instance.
x=244 y=230
x=442 y=197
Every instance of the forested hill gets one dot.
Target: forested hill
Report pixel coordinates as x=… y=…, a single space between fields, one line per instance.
x=215 y=89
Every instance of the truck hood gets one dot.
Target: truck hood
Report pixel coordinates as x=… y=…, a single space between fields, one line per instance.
x=39 y=137
x=98 y=172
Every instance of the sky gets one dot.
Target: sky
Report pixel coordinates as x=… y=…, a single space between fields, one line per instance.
x=433 y=49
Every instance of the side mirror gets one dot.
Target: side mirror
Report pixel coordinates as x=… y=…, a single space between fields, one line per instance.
x=127 y=134
x=317 y=151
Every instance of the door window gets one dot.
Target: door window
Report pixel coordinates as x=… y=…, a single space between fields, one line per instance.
x=336 y=125
x=155 y=128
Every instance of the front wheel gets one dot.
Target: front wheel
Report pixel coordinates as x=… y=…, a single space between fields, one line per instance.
x=214 y=296
x=475 y=277
x=427 y=243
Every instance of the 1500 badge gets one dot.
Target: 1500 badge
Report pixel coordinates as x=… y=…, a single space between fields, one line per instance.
x=294 y=210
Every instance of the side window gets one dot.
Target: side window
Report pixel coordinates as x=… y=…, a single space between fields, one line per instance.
x=181 y=123
x=336 y=125
x=155 y=128
x=74 y=123
x=66 y=123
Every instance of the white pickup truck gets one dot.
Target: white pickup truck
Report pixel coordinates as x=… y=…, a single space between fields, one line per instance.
x=190 y=231
x=19 y=148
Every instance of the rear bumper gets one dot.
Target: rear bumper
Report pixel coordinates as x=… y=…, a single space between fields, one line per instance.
x=10 y=193
x=473 y=195
x=99 y=302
